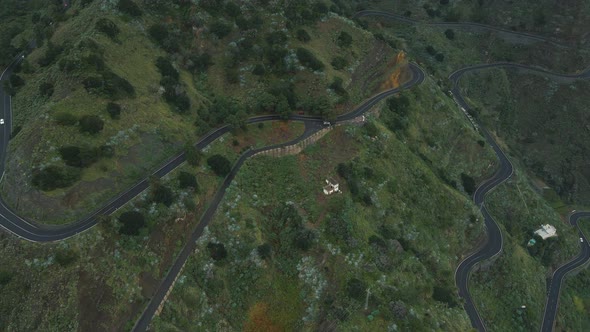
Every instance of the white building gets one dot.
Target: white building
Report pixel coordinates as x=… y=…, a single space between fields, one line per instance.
x=331 y=187
x=546 y=231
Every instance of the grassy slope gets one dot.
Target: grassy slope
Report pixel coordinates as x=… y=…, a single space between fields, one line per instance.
x=574 y=300
x=430 y=219
x=110 y=277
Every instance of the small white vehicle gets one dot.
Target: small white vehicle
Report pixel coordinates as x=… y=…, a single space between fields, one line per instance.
x=582 y=240
x=327 y=123
x=1 y=121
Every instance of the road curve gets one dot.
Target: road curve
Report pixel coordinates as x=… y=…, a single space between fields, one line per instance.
x=557 y=279
x=494 y=242
x=469 y=25
x=144 y=320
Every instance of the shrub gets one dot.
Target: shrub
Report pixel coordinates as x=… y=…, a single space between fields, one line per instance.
x=468 y=183
x=276 y=38
x=344 y=39
x=259 y=70
x=66 y=257
x=200 y=63
x=439 y=57
x=304 y=239
x=91 y=124
x=339 y=62
x=131 y=223
x=450 y=34
x=51 y=54
x=5 y=277
x=162 y=194
x=79 y=157
x=232 y=9
x=159 y=33
x=187 y=180
x=46 y=89
x=356 y=289
x=65 y=118
x=53 y=177
x=107 y=27
x=193 y=155
x=219 y=164
x=166 y=68
x=445 y=295
x=431 y=50
x=114 y=110
x=264 y=251
x=308 y=59
x=220 y=29
x=129 y=7
x=303 y=36
x=217 y=251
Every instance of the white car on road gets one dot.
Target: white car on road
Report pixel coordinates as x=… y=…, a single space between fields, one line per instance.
x=1 y=121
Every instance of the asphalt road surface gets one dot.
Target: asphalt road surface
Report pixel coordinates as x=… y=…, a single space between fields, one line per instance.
x=494 y=241
x=556 y=280
x=310 y=128
x=32 y=231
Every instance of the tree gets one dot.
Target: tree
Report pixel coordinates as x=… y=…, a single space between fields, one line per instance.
x=439 y=57
x=114 y=110
x=356 y=288
x=53 y=176
x=107 y=27
x=450 y=34
x=129 y=7
x=66 y=257
x=220 y=29
x=131 y=223
x=46 y=89
x=339 y=62
x=65 y=118
x=344 y=39
x=193 y=155
x=303 y=36
x=162 y=194
x=219 y=164
x=308 y=59
x=91 y=124
x=166 y=68
x=283 y=108
x=217 y=251
x=232 y=9
x=264 y=251
x=468 y=183
x=159 y=33
x=187 y=180
x=259 y=70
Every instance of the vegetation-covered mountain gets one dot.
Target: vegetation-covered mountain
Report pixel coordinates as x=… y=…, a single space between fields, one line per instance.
x=112 y=88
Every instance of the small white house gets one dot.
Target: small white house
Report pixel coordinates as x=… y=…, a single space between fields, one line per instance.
x=331 y=187
x=546 y=231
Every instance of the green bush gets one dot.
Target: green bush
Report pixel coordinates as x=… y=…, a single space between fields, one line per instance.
x=200 y=63
x=53 y=177
x=107 y=27
x=339 y=62
x=309 y=60
x=159 y=32
x=129 y=7
x=166 y=68
x=5 y=277
x=79 y=157
x=220 y=29
x=193 y=155
x=217 y=251
x=65 y=118
x=66 y=257
x=303 y=36
x=344 y=39
x=356 y=289
x=259 y=70
x=131 y=223
x=219 y=164
x=264 y=251
x=162 y=194
x=46 y=89
x=92 y=124
x=468 y=183
x=114 y=110
x=187 y=180
x=450 y=34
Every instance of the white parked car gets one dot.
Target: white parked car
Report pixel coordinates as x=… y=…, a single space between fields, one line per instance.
x=581 y=239
x=1 y=121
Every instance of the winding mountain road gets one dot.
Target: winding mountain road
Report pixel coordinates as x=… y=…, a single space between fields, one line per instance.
x=494 y=242
x=32 y=231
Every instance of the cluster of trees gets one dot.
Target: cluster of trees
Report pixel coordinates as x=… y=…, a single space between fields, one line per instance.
x=54 y=176
x=91 y=124
x=107 y=27
x=220 y=165
x=174 y=92
x=109 y=84
x=84 y=156
x=309 y=60
x=433 y=52
x=396 y=116
x=285 y=231
x=354 y=177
